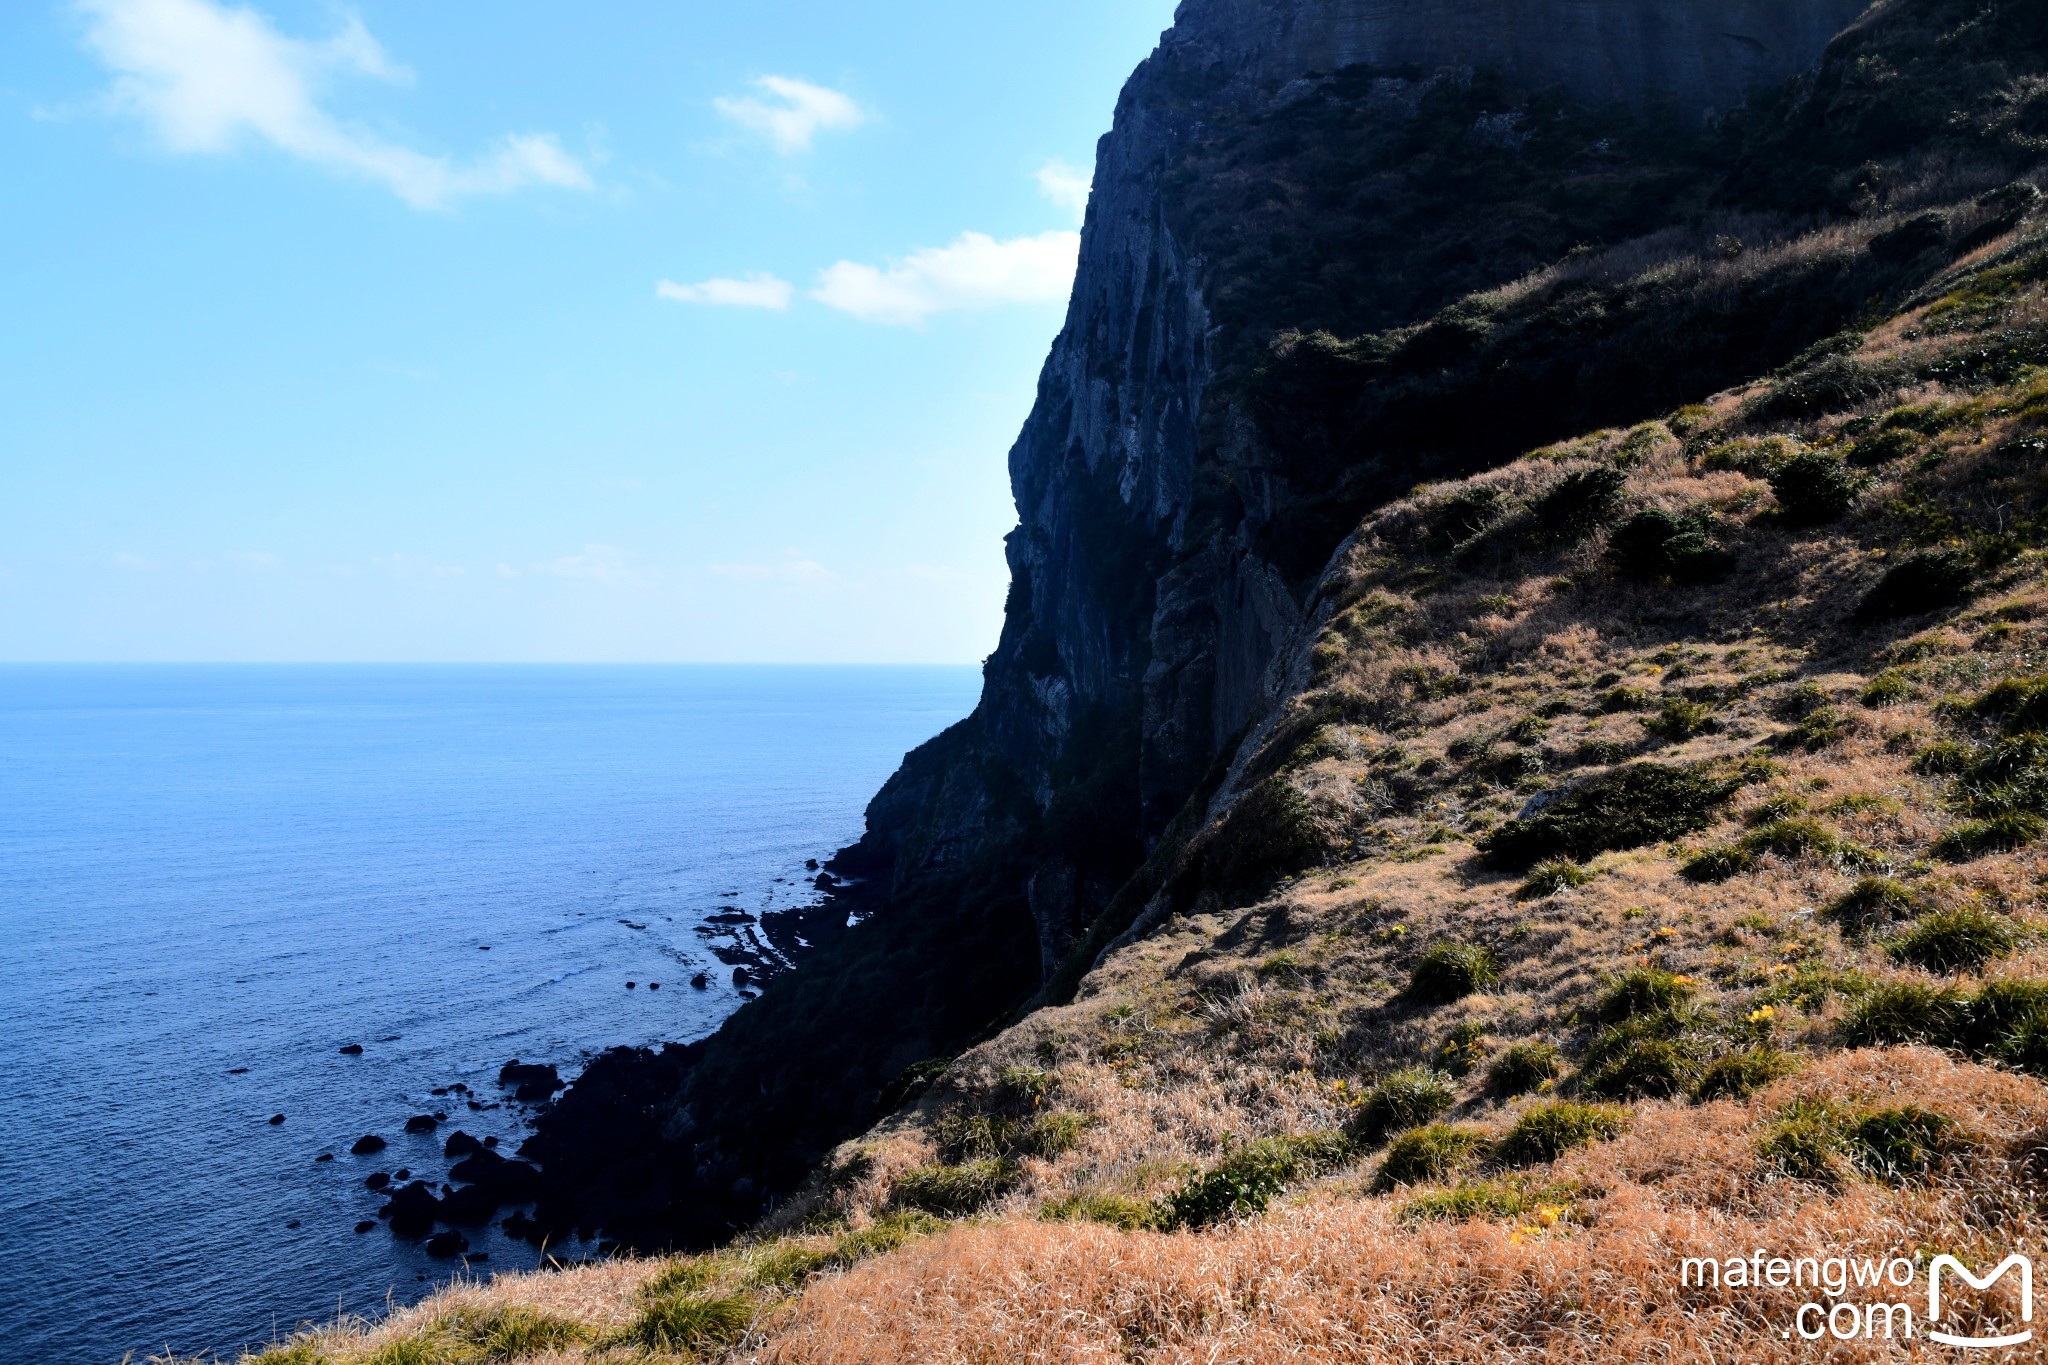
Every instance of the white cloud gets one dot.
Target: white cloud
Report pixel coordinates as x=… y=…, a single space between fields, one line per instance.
x=597 y=564
x=1066 y=186
x=207 y=77
x=795 y=569
x=796 y=112
x=755 y=291
x=976 y=271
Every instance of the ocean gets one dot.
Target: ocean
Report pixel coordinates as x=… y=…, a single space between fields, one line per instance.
x=213 y=879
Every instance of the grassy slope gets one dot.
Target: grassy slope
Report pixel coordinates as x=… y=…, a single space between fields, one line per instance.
x=1211 y=1151
x=1092 y=1181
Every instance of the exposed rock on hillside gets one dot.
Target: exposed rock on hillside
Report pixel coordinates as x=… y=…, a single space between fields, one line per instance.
x=1336 y=248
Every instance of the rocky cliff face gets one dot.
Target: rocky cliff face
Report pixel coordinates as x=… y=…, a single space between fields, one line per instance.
x=1349 y=165
x=1125 y=601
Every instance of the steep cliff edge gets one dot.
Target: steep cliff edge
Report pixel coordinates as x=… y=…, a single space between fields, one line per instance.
x=1630 y=843
x=1281 y=176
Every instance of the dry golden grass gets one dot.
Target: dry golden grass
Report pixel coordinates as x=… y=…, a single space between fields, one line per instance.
x=1433 y=698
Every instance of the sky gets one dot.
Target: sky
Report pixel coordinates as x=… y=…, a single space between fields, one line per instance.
x=641 y=331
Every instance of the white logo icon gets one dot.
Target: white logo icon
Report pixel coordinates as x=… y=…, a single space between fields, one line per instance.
x=2010 y=1263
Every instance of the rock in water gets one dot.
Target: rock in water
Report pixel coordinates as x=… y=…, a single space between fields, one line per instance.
x=460 y=1144
x=412 y=1210
x=368 y=1145
x=447 y=1245
x=422 y=1123
x=351 y=1049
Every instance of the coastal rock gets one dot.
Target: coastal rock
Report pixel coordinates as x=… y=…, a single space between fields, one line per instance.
x=368 y=1145
x=447 y=1245
x=377 y=1180
x=530 y=1081
x=512 y=1182
x=422 y=1123
x=367 y=1225
x=469 y=1207
x=412 y=1210
x=702 y=981
x=460 y=1144
x=276 y=1120
x=351 y=1049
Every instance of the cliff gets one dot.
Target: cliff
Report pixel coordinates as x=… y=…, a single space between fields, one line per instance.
x=1280 y=176
x=1519 y=754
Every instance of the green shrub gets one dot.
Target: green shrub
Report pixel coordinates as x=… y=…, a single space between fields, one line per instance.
x=1805 y=1141
x=953 y=1191
x=693 y=1323
x=1737 y=1075
x=1887 y=446
x=1272 y=832
x=1111 y=1210
x=1656 y=546
x=1922 y=582
x=1960 y=940
x=1906 y=1012
x=1423 y=1156
x=2018 y=704
x=1815 y=488
x=1678 y=720
x=1888 y=688
x=426 y=1349
x=1640 y=803
x=1522 y=1067
x=780 y=1266
x=1898 y=1145
x=1406 y=1099
x=1944 y=759
x=1643 y=992
x=1251 y=1177
x=883 y=1236
x=1716 y=865
x=2005 y=833
x=1870 y=905
x=1576 y=507
x=1820 y=728
x=1452 y=971
x=1548 y=879
x=1548 y=1131
x=1627 y=699
x=291 y=1353
x=493 y=1335
x=1633 y=1067
x=1488 y=1199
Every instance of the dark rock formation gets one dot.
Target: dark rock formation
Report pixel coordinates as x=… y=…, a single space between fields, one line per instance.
x=368 y=1145
x=1281 y=174
x=422 y=1123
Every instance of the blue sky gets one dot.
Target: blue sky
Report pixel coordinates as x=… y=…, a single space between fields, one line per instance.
x=525 y=331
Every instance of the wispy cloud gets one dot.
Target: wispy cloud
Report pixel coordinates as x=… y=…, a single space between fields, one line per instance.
x=796 y=569
x=1066 y=186
x=754 y=291
x=596 y=564
x=790 y=113
x=207 y=78
x=976 y=271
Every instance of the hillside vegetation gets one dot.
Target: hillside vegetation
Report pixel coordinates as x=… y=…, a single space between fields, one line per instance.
x=1646 y=861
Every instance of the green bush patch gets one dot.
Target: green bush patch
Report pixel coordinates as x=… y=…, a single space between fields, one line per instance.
x=1737 y=1075
x=1955 y=941
x=1406 y=1099
x=1452 y=971
x=1548 y=1131
x=1427 y=1156
x=1922 y=582
x=1251 y=1177
x=1522 y=1067
x=1634 y=805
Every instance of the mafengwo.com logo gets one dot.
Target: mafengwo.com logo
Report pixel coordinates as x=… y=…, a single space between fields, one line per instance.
x=1941 y=1301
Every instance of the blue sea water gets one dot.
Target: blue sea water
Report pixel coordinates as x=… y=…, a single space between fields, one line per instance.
x=211 y=879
